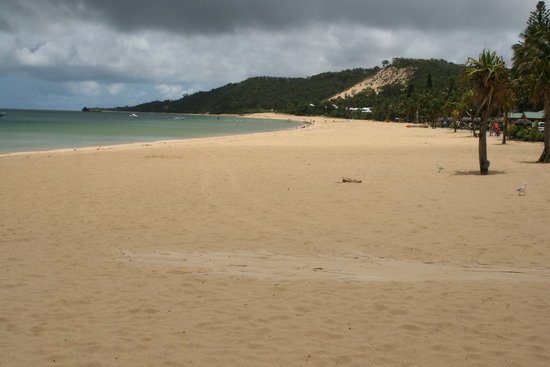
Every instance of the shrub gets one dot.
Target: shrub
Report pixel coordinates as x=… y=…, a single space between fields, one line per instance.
x=532 y=134
x=524 y=133
x=536 y=135
x=512 y=130
x=520 y=133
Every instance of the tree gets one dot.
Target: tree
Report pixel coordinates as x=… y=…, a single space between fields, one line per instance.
x=452 y=109
x=467 y=106
x=455 y=114
x=506 y=101
x=432 y=106
x=531 y=62
x=487 y=75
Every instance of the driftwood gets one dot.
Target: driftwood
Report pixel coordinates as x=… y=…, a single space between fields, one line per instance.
x=350 y=180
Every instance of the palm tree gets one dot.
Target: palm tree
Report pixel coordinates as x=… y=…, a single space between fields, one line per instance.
x=532 y=65
x=487 y=76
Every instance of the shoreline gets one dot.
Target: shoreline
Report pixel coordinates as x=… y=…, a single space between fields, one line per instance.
x=123 y=146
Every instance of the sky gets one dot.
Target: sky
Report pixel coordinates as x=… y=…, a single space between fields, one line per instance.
x=67 y=54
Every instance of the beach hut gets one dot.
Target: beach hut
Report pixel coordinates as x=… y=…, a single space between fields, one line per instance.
x=523 y=122
x=527 y=117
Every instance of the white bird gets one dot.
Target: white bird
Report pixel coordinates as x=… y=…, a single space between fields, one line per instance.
x=440 y=168
x=522 y=189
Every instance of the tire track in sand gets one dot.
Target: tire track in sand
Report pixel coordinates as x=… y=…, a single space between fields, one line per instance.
x=352 y=267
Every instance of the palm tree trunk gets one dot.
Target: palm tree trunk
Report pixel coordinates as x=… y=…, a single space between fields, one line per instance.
x=482 y=147
x=545 y=156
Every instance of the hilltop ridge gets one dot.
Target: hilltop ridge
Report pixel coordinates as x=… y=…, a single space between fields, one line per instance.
x=330 y=93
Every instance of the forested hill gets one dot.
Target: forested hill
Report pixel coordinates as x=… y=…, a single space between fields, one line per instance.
x=261 y=94
x=303 y=96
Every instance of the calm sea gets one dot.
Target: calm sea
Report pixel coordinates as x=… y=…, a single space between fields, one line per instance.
x=32 y=130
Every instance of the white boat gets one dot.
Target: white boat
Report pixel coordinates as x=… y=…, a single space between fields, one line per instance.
x=133 y=115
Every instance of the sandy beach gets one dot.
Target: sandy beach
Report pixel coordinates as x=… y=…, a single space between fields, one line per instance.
x=250 y=251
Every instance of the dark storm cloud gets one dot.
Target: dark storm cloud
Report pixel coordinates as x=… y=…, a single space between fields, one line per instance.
x=219 y=16
x=227 y=15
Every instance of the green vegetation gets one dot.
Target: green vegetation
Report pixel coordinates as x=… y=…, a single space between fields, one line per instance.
x=433 y=85
x=433 y=82
x=532 y=66
x=259 y=94
x=524 y=133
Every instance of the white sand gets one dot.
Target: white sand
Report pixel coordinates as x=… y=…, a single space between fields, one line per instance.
x=248 y=251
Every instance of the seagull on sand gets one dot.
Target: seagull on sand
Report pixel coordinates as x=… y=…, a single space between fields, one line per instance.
x=440 y=168
x=522 y=189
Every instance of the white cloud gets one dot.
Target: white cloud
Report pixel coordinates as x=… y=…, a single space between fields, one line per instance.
x=40 y=54
x=86 y=51
x=98 y=48
x=87 y=88
x=115 y=88
x=170 y=91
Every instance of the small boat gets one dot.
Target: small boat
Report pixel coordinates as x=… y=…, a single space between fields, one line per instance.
x=2 y=114
x=133 y=115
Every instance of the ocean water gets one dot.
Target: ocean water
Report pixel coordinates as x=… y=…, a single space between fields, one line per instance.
x=32 y=130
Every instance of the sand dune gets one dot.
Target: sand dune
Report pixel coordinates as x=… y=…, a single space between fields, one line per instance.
x=387 y=76
x=249 y=250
